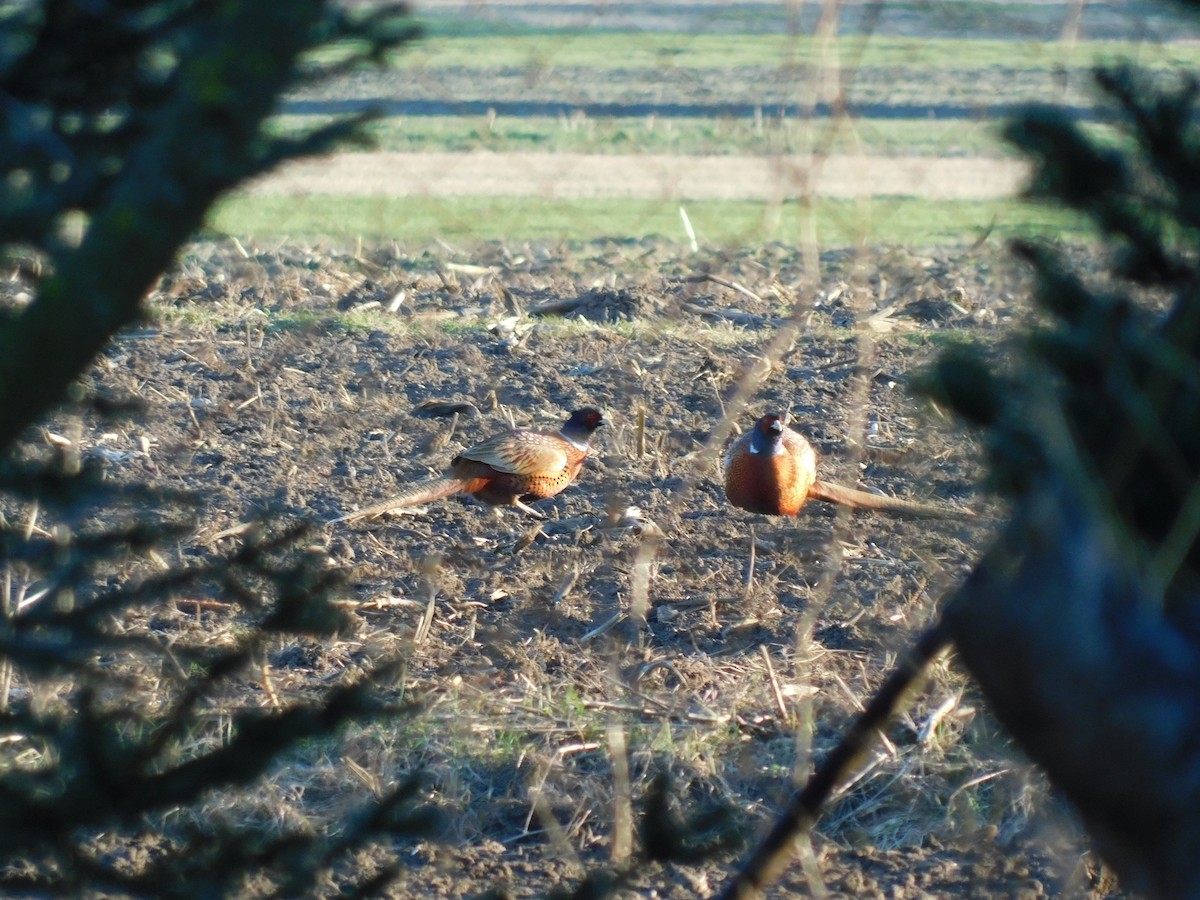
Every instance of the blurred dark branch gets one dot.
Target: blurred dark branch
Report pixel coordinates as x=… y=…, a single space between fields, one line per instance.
x=120 y=125
x=1081 y=623
x=200 y=134
x=115 y=780
x=1066 y=639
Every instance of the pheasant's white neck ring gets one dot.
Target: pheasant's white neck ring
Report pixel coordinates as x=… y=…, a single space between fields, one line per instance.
x=578 y=444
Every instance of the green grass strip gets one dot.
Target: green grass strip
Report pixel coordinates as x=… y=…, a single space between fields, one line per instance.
x=682 y=136
x=718 y=223
x=611 y=50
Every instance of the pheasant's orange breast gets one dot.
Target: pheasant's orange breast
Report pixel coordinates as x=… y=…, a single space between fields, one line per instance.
x=773 y=482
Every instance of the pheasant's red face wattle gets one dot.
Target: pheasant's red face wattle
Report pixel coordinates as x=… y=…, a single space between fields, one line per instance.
x=582 y=422
x=770 y=425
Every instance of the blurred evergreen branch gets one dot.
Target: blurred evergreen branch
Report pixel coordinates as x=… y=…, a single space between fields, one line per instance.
x=1110 y=374
x=134 y=117
x=120 y=124
x=1082 y=621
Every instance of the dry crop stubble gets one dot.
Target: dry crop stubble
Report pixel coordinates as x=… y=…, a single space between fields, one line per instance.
x=278 y=390
x=560 y=664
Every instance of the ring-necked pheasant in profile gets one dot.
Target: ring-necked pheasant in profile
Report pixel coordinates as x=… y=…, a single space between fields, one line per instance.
x=506 y=469
x=772 y=470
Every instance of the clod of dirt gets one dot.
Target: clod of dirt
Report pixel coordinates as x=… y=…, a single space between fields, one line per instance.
x=604 y=305
x=948 y=308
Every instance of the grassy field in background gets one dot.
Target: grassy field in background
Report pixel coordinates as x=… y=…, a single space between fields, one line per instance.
x=636 y=60
x=684 y=136
x=718 y=223
x=607 y=50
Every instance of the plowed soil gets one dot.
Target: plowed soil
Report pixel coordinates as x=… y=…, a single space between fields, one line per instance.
x=644 y=625
x=290 y=381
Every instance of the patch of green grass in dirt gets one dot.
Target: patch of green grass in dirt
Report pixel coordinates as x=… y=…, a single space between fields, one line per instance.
x=351 y=322
x=906 y=221
x=459 y=328
x=942 y=339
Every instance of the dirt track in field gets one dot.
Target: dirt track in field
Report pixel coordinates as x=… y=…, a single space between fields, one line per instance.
x=649 y=176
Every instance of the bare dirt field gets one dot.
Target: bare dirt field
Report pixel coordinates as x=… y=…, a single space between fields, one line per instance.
x=279 y=380
x=290 y=381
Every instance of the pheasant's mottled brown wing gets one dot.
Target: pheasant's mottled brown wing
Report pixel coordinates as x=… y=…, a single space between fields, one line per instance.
x=522 y=453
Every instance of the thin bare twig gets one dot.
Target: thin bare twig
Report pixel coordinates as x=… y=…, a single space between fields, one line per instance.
x=773 y=851
x=776 y=692
x=268 y=685
x=622 y=839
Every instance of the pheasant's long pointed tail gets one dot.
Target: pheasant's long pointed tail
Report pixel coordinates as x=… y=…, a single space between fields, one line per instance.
x=421 y=492
x=844 y=496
